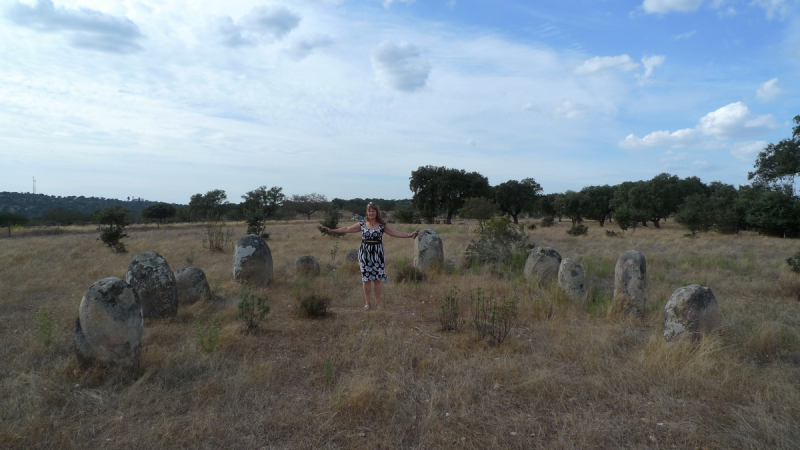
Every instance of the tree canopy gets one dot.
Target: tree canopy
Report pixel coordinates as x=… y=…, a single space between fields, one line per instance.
x=514 y=197
x=779 y=162
x=443 y=189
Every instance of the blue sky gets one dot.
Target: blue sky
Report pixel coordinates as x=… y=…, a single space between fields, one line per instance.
x=163 y=99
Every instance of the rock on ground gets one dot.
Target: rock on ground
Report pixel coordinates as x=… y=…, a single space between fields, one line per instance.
x=192 y=285
x=108 y=330
x=252 y=261
x=691 y=309
x=149 y=274
x=542 y=265
x=630 y=280
x=428 y=250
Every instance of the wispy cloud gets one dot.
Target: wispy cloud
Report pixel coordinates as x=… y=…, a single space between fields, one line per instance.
x=769 y=91
x=400 y=67
x=87 y=28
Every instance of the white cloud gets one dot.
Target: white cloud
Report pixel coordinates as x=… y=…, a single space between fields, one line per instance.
x=603 y=63
x=666 y=6
x=88 y=28
x=650 y=63
x=302 y=48
x=729 y=122
x=569 y=110
x=677 y=139
x=686 y=35
x=747 y=150
x=399 y=66
x=774 y=8
x=735 y=121
x=277 y=21
x=769 y=91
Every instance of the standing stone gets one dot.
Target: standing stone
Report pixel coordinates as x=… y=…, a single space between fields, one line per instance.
x=192 y=285
x=630 y=279
x=108 y=330
x=572 y=280
x=542 y=265
x=150 y=275
x=691 y=308
x=428 y=250
x=306 y=266
x=351 y=256
x=252 y=261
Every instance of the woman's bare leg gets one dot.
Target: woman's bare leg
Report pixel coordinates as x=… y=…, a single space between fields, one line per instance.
x=378 y=291
x=367 y=290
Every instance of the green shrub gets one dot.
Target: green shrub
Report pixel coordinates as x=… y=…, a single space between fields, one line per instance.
x=313 y=306
x=492 y=321
x=448 y=313
x=330 y=220
x=44 y=327
x=252 y=311
x=406 y=215
x=207 y=334
x=794 y=262
x=547 y=221
x=499 y=241
x=113 y=220
x=578 y=229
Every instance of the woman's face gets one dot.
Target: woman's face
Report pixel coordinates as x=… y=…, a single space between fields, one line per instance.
x=371 y=213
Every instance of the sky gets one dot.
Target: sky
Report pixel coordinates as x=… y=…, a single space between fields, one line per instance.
x=164 y=99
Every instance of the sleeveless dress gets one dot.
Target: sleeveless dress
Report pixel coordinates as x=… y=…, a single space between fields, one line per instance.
x=371 y=258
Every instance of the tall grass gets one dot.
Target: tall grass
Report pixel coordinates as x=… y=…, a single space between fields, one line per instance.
x=567 y=376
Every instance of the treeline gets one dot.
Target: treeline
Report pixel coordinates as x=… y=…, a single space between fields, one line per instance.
x=32 y=205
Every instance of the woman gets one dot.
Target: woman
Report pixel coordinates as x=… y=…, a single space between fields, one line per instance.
x=371 y=259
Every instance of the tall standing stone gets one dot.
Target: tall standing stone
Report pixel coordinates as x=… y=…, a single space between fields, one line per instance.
x=108 y=330
x=691 y=309
x=150 y=275
x=252 y=261
x=192 y=285
x=572 y=280
x=542 y=265
x=428 y=250
x=630 y=279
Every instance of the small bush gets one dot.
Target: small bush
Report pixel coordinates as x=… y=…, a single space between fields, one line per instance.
x=610 y=233
x=207 y=334
x=330 y=220
x=112 y=236
x=500 y=241
x=218 y=237
x=578 y=229
x=794 y=262
x=410 y=273
x=491 y=320
x=448 y=313
x=252 y=311
x=44 y=327
x=532 y=226
x=547 y=221
x=313 y=306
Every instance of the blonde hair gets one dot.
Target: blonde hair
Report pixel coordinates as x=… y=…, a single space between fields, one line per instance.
x=378 y=216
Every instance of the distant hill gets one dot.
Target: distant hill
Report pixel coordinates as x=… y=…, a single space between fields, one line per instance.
x=32 y=205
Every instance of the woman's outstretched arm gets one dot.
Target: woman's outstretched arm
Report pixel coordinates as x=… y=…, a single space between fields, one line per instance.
x=394 y=233
x=355 y=228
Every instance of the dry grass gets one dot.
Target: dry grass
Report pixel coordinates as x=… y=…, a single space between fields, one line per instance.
x=567 y=376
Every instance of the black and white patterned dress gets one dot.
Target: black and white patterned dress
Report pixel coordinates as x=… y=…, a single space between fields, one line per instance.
x=371 y=259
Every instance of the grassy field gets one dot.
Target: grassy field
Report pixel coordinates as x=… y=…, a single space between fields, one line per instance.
x=567 y=376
